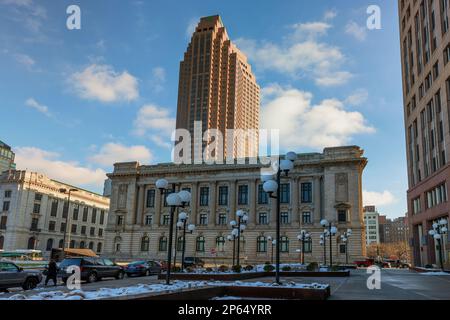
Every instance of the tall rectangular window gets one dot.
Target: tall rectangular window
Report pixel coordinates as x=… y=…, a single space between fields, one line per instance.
x=284 y=217
x=54 y=208
x=285 y=193
x=342 y=215
x=306 y=217
x=102 y=217
x=203 y=219
x=3 y=221
x=263 y=218
x=76 y=210
x=263 y=197
x=85 y=214
x=223 y=196
x=5 y=205
x=204 y=196
x=37 y=208
x=94 y=216
x=151 y=198
x=51 y=226
x=306 y=192
x=222 y=219
x=34 y=224
x=243 y=195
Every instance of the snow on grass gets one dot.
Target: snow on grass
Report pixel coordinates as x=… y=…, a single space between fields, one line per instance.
x=105 y=293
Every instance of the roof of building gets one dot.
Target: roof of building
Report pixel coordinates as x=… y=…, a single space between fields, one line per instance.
x=4 y=145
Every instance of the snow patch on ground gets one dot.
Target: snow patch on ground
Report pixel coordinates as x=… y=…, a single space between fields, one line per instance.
x=105 y=293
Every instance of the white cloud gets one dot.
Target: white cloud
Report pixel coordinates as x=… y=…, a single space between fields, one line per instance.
x=300 y=54
x=25 y=60
x=330 y=14
x=358 y=97
x=111 y=153
x=378 y=198
x=309 y=29
x=152 y=118
x=156 y=124
x=101 y=82
x=158 y=79
x=355 y=30
x=304 y=124
x=32 y=103
x=50 y=164
x=27 y=12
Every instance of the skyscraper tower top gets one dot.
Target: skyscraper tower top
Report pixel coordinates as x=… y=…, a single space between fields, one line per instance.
x=217 y=90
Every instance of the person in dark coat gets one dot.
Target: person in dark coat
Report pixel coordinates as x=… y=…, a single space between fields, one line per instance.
x=52 y=272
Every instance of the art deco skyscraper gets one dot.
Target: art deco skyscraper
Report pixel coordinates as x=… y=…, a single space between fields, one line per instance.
x=218 y=88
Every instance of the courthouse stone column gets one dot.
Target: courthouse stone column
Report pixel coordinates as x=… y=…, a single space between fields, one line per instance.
x=252 y=199
x=158 y=199
x=194 y=202
x=295 y=201
x=232 y=215
x=212 y=221
x=317 y=199
x=140 y=209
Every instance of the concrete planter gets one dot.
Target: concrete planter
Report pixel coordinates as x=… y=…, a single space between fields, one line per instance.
x=208 y=293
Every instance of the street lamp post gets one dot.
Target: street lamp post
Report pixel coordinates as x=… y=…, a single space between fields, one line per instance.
x=272 y=243
x=331 y=233
x=323 y=243
x=438 y=231
x=302 y=237
x=183 y=217
x=240 y=226
x=174 y=200
x=178 y=226
x=68 y=192
x=232 y=237
x=345 y=238
x=272 y=187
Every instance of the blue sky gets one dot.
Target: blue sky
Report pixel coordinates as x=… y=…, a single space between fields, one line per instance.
x=75 y=101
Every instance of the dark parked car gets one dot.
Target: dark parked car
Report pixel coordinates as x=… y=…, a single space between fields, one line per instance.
x=193 y=262
x=92 y=269
x=12 y=276
x=143 y=268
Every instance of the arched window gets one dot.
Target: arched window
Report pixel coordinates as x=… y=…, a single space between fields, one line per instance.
x=261 y=244
x=99 y=247
x=163 y=244
x=2 y=242
x=49 y=246
x=82 y=244
x=145 y=244
x=72 y=244
x=180 y=243
x=284 y=244
x=32 y=243
x=220 y=244
x=91 y=245
x=61 y=244
x=200 y=244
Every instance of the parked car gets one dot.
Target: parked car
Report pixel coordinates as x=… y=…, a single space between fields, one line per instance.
x=92 y=269
x=12 y=276
x=397 y=263
x=193 y=262
x=365 y=263
x=143 y=268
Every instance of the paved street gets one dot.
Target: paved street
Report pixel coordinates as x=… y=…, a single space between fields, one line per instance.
x=395 y=285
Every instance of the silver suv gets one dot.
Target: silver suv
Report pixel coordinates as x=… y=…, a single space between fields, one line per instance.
x=12 y=276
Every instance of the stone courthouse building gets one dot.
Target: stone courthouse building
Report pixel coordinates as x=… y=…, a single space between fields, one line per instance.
x=322 y=185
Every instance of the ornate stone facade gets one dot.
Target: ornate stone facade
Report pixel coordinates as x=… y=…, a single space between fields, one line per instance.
x=322 y=185
x=33 y=214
